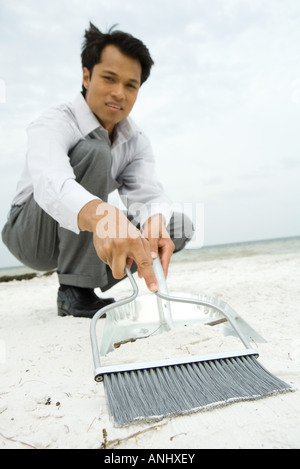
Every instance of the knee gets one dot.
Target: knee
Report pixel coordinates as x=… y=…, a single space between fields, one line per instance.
x=91 y=161
x=181 y=230
x=93 y=153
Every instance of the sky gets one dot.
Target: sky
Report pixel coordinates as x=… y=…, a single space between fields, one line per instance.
x=221 y=107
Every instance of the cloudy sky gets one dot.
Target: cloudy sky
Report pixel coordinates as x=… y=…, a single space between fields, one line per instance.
x=222 y=106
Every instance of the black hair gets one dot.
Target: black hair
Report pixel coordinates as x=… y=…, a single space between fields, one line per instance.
x=95 y=41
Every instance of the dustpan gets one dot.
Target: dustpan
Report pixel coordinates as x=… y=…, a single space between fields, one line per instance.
x=141 y=316
x=175 y=386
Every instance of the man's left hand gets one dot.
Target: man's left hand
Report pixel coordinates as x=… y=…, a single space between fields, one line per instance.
x=159 y=239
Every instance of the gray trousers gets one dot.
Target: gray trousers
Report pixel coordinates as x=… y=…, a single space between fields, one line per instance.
x=37 y=240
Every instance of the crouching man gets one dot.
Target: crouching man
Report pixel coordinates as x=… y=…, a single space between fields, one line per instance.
x=78 y=154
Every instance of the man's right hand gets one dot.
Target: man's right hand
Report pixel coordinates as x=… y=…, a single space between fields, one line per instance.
x=117 y=241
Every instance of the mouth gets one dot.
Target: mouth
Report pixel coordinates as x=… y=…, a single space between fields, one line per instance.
x=114 y=107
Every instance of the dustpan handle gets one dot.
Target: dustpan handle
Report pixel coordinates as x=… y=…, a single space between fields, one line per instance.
x=242 y=337
x=106 y=309
x=165 y=309
x=165 y=316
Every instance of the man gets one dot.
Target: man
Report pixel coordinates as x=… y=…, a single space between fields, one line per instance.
x=77 y=155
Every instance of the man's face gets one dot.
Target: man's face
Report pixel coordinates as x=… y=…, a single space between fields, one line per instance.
x=112 y=89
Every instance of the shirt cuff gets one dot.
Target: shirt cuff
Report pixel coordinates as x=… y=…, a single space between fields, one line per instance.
x=70 y=204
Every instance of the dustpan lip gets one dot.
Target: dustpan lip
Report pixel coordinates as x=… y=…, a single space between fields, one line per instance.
x=119 y=368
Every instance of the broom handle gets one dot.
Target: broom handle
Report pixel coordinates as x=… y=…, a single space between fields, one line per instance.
x=164 y=307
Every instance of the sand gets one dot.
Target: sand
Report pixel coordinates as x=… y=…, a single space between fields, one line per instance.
x=49 y=399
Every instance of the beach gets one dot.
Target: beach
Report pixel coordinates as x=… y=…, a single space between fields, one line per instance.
x=48 y=396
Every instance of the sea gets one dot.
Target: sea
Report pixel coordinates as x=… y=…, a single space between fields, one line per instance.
x=205 y=253
x=242 y=249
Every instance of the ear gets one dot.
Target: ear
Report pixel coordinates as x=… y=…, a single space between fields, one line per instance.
x=85 y=77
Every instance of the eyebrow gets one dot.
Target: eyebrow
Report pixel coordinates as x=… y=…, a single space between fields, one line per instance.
x=115 y=75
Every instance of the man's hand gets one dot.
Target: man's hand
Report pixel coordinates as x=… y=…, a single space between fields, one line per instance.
x=159 y=240
x=117 y=241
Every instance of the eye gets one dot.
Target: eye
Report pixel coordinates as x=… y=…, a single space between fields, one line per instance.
x=107 y=78
x=130 y=85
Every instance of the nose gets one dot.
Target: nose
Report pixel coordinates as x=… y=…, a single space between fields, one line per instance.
x=118 y=92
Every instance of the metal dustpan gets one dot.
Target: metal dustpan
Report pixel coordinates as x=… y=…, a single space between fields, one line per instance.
x=142 y=316
x=175 y=386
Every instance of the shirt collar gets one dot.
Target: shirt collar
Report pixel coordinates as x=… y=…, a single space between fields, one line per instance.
x=88 y=122
x=85 y=118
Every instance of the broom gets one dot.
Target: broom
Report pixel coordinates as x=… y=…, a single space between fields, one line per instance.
x=156 y=389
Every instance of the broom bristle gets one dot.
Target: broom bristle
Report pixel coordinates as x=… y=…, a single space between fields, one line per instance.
x=155 y=393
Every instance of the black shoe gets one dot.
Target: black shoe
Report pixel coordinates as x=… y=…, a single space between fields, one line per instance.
x=79 y=302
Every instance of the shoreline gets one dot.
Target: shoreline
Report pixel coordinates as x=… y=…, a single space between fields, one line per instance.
x=26 y=276
x=204 y=253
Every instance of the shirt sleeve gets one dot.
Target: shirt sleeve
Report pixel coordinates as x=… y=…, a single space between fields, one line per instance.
x=140 y=189
x=55 y=189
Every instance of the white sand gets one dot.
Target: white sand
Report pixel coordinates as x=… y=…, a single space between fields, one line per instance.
x=49 y=399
